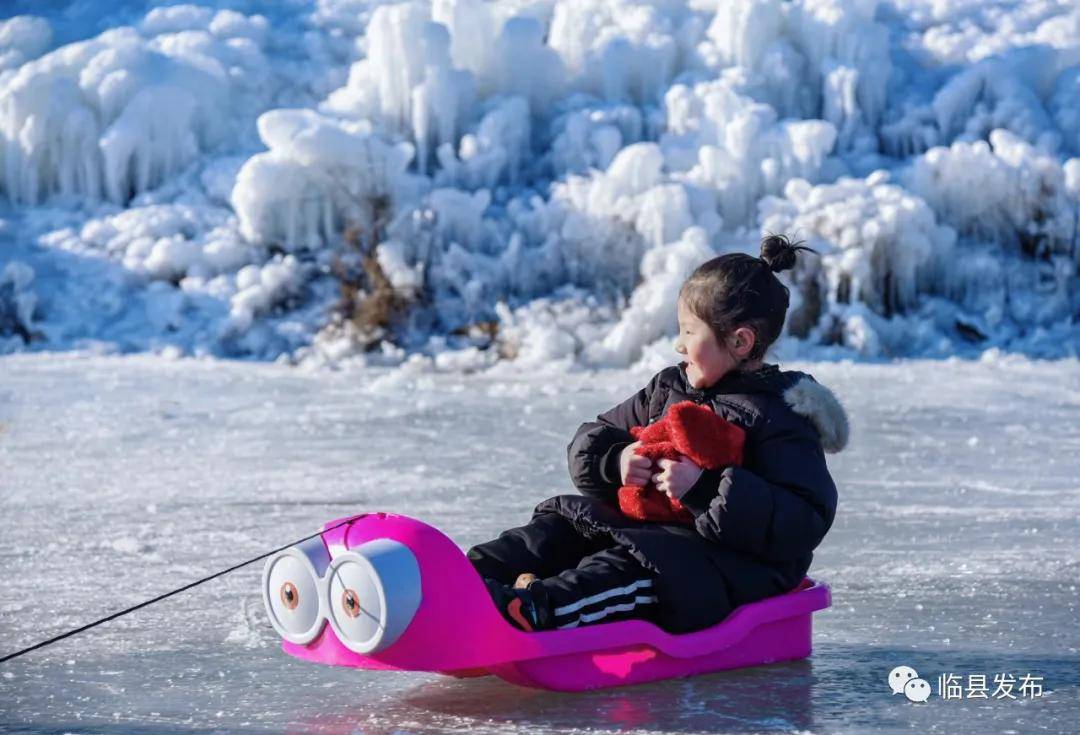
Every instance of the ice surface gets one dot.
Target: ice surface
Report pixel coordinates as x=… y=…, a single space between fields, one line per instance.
x=953 y=550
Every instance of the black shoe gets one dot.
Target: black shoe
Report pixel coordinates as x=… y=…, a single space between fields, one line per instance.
x=525 y=609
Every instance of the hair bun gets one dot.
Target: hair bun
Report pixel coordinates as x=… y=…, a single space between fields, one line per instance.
x=779 y=253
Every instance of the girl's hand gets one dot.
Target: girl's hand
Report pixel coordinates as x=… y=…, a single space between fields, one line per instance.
x=633 y=468
x=676 y=476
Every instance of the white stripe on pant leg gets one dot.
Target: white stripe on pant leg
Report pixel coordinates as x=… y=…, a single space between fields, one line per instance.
x=575 y=606
x=608 y=601
x=600 y=614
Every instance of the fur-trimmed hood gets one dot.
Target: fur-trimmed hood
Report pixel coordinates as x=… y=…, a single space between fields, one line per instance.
x=800 y=391
x=811 y=399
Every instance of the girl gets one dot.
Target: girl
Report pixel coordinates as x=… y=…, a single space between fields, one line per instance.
x=580 y=560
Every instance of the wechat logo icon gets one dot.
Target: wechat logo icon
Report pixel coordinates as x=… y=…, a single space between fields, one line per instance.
x=905 y=680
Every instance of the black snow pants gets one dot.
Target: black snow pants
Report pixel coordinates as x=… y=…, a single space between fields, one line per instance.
x=587 y=579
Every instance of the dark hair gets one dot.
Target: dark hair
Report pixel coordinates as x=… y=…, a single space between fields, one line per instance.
x=739 y=290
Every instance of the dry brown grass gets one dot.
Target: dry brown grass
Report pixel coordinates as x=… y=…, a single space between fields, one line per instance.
x=368 y=306
x=489 y=331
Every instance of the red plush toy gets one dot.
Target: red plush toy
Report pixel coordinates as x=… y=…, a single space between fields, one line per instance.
x=687 y=429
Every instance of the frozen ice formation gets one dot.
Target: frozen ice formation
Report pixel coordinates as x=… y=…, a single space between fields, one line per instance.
x=17 y=304
x=826 y=59
x=319 y=175
x=223 y=181
x=880 y=247
x=1004 y=191
x=119 y=114
x=22 y=38
x=736 y=150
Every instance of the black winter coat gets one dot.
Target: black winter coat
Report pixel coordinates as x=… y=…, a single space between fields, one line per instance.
x=755 y=524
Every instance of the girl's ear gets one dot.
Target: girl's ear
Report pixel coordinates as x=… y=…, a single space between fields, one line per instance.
x=743 y=340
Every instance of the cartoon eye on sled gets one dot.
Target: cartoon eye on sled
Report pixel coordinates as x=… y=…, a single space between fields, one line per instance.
x=384 y=591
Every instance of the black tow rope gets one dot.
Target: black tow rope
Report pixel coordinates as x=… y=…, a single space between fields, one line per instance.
x=54 y=639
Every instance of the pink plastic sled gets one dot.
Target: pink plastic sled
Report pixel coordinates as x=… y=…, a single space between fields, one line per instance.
x=386 y=591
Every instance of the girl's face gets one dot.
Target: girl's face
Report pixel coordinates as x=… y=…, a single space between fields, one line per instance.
x=706 y=360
